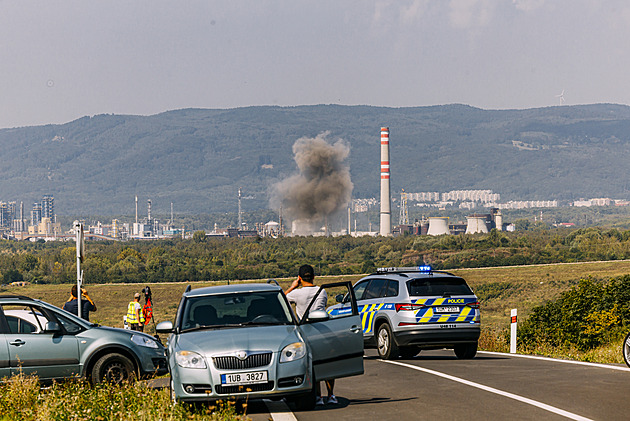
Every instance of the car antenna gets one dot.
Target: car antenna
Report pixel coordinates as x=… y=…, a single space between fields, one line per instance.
x=188 y=288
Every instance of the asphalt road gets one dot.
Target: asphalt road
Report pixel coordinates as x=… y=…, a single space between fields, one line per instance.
x=436 y=385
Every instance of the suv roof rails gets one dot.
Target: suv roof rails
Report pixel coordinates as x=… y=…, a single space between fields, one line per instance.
x=405 y=269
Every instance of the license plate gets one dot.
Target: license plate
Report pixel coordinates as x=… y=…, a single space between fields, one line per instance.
x=252 y=377
x=446 y=309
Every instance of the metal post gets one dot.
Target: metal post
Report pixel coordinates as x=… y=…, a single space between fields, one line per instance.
x=78 y=226
x=513 y=332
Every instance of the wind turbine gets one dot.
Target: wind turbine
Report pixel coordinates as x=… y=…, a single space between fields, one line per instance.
x=561 y=97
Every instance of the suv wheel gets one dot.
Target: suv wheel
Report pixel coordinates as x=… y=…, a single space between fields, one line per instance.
x=409 y=351
x=113 y=368
x=385 y=344
x=466 y=351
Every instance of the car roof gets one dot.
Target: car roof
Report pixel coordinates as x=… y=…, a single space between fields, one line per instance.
x=234 y=288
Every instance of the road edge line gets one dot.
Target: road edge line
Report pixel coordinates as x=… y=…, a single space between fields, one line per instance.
x=538 y=357
x=519 y=398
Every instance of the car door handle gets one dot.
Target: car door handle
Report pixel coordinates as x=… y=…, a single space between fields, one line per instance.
x=17 y=342
x=355 y=329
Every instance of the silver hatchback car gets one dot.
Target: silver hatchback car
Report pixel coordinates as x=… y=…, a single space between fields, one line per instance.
x=244 y=341
x=404 y=310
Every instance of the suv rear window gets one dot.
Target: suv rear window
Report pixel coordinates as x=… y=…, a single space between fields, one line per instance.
x=441 y=286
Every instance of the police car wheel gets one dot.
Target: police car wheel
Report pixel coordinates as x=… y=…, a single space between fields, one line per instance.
x=466 y=351
x=385 y=344
x=626 y=349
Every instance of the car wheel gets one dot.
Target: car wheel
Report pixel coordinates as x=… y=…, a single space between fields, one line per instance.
x=305 y=402
x=466 y=351
x=626 y=349
x=113 y=368
x=409 y=351
x=385 y=344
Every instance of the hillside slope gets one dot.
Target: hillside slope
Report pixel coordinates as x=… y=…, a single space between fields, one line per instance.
x=198 y=158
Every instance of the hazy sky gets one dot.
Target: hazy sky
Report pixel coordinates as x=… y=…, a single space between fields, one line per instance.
x=61 y=60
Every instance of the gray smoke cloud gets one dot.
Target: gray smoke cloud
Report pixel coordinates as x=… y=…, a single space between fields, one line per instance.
x=320 y=189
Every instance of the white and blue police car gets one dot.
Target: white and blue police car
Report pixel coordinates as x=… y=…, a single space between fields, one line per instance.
x=406 y=309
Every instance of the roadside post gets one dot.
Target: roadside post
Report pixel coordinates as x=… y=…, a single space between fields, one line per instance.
x=78 y=226
x=513 y=332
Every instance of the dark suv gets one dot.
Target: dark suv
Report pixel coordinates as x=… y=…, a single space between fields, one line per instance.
x=405 y=310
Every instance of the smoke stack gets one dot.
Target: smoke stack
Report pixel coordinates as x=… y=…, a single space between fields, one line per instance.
x=386 y=211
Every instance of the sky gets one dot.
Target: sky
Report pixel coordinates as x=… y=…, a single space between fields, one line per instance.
x=64 y=59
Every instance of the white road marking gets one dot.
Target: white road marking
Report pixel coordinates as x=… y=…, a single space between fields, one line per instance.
x=528 y=401
x=279 y=410
x=557 y=360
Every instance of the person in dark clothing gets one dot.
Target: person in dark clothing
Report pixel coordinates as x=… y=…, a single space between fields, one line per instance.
x=87 y=305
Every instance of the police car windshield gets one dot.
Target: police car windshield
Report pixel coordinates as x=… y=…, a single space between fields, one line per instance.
x=440 y=286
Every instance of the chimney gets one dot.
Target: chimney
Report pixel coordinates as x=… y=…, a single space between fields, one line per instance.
x=386 y=213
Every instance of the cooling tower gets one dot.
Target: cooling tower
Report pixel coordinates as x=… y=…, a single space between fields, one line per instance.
x=438 y=225
x=498 y=221
x=386 y=212
x=476 y=224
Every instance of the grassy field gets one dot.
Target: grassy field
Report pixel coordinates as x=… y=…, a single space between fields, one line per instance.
x=500 y=290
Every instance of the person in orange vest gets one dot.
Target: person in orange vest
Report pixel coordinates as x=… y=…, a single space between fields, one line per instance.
x=135 y=317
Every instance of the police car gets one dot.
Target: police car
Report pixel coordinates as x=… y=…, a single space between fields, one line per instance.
x=404 y=310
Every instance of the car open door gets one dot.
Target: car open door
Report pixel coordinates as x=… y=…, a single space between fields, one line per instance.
x=336 y=341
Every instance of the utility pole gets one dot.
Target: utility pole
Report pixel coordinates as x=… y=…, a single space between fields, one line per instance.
x=78 y=226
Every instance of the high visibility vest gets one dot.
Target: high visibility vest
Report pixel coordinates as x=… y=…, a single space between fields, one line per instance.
x=131 y=314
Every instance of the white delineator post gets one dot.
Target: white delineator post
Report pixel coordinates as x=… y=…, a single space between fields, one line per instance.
x=513 y=332
x=386 y=212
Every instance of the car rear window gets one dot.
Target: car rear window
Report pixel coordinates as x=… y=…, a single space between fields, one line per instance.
x=440 y=286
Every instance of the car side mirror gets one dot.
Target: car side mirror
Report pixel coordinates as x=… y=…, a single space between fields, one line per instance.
x=164 y=327
x=342 y=298
x=52 y=327
x=317 y=316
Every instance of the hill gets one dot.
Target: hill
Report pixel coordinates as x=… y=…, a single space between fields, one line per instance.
x=198 y=158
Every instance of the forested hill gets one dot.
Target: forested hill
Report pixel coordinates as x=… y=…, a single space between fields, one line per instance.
x=198 y=158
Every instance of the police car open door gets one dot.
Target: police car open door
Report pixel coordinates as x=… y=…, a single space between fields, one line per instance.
x=335 y=341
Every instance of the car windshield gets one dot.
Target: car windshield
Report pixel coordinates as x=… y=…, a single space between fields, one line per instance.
x=235 y=310
x=441 y=286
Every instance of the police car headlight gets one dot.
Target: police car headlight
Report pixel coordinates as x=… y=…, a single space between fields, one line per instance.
x=293 y=352
x=189 y=359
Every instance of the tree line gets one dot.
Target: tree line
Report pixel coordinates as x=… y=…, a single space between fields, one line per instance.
x=205 y=259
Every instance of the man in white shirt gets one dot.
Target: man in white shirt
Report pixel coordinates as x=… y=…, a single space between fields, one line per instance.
x=302 y=297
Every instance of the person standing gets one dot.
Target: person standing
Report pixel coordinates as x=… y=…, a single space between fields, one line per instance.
x=72 y=305
x=135 y=317
x=302 y=297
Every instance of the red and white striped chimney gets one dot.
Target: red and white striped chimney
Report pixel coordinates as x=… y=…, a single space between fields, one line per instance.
x=386 y=212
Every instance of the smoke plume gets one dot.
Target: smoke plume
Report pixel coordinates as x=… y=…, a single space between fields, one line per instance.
x=320 y=189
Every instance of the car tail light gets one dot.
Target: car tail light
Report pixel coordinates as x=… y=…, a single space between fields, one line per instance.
x=408 y=307
x=473 y=305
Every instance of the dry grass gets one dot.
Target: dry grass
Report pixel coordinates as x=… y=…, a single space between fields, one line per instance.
x=520 y=287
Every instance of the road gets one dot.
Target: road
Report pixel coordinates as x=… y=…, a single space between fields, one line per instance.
x=436 y=385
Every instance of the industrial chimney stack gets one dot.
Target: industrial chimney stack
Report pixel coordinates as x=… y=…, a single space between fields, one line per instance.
x=386 y=213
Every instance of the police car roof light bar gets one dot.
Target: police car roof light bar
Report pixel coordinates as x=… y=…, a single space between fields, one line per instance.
x=425 y=268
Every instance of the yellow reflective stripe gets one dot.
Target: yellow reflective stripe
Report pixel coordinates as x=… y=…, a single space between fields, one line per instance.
x=370 y=320
x=427 y=316
x=439 y=301
x=421 y=301
x=443 y=318
x=463 y=314
x=363 y=320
